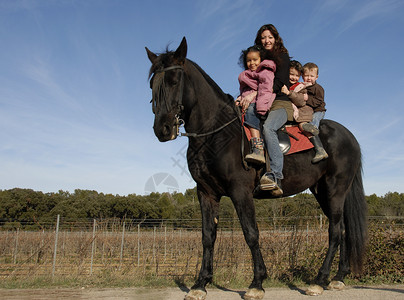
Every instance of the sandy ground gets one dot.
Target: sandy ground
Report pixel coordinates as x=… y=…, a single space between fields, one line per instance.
x=390 y=292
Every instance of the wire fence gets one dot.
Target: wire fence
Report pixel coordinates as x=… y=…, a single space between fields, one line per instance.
x=156 y=247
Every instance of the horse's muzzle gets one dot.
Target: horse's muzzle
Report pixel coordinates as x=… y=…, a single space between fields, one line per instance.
x=166 y=128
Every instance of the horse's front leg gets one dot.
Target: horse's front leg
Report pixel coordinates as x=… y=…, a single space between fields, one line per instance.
x=244 y=204
x=210 y=214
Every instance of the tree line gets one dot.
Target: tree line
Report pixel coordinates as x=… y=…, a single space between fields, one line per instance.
x=26 y=207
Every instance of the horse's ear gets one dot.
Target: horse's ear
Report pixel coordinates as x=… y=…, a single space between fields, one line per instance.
x=181 y=51
x=151 y=55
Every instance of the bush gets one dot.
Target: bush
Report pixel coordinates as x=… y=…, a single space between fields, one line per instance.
x=385 y=261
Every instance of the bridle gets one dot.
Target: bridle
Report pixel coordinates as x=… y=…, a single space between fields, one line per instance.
x=159 y=92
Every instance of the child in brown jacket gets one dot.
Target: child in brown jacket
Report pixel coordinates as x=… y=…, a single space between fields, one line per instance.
x=307 y=98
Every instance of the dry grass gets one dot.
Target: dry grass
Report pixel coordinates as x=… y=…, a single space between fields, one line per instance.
x=154 y=256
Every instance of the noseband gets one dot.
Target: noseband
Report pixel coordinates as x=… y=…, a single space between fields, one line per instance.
x=159 y=92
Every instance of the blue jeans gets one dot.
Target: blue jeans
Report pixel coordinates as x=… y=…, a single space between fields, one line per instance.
x=251 y=117
x=317 y=117
x=275 y=120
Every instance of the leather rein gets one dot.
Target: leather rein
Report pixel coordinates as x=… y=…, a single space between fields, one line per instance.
x=180 y=107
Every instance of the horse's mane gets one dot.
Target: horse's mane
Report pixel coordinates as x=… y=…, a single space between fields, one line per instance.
x=165 y=58
x=212 y=83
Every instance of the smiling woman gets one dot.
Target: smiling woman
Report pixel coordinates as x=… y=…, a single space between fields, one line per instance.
x=281 y=110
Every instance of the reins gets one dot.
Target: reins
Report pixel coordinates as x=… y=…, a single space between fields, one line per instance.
x=210 y=132
x=160 y=91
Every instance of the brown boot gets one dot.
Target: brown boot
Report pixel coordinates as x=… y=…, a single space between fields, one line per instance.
x=318 y=146
x=257 y=156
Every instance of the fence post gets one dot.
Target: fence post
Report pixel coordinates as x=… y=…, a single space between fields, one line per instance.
x=56 y=246
x=138 y=244
x=154 y=244
x=92 y=249
x=165 y=242
x=16 y=245
x=122 y=241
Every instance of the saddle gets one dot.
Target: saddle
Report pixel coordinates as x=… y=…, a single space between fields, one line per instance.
x=291 y=139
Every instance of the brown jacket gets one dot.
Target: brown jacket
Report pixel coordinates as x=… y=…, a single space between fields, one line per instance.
x=316 y=97
x=304 y=112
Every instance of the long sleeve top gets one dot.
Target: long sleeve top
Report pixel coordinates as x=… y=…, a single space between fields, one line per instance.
x=315 y=93
x=261 y=81
x=302 y=111
x=282 y=76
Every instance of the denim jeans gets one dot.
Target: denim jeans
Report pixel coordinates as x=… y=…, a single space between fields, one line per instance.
x=275 y=120
x=317 y=117
x=251 y=117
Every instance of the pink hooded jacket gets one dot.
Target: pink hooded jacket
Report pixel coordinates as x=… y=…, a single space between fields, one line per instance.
x=261 y=80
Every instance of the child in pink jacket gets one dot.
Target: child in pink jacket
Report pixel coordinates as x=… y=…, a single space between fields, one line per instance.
x=256 y=97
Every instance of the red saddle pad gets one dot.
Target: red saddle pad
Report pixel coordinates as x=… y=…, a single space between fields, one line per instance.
x=301 y=142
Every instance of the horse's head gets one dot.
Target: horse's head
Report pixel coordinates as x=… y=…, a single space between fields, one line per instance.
x=167 y=84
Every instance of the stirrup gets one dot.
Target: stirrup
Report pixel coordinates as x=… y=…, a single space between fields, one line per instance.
x=267 y=183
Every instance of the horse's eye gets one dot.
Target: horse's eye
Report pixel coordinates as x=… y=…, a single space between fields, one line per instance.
x=172 y=80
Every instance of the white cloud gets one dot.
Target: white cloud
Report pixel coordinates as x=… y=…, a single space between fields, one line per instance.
x=369 y=9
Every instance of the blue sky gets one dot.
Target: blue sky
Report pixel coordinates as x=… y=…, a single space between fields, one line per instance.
x=74 y=94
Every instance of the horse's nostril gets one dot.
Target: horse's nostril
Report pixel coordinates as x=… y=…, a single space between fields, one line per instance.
x=166 y=129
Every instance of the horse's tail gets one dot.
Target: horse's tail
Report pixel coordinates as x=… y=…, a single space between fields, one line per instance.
x=355 y=219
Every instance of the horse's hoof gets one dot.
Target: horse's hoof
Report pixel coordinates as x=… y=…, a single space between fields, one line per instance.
x=254 y=294
x=314 y=290
x=336 y=285
x=195 y=295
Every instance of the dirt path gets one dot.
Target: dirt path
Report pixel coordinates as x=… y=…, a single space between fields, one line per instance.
x=390 y=292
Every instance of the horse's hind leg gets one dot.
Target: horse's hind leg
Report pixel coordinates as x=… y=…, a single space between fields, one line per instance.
x=210 y=213
x=244 y=205
x=337 y=283
x=332 y=202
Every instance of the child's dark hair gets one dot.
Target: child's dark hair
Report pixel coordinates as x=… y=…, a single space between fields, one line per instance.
x=296 y=65
x=243 y=57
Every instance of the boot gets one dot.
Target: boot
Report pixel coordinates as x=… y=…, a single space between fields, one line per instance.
x=308 y=127
x=269 y=182
x=257 y=156
x=318 y=146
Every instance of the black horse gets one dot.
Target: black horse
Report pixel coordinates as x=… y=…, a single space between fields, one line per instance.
x=183 y=94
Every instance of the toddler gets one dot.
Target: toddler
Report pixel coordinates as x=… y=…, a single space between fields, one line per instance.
x=256 y=96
